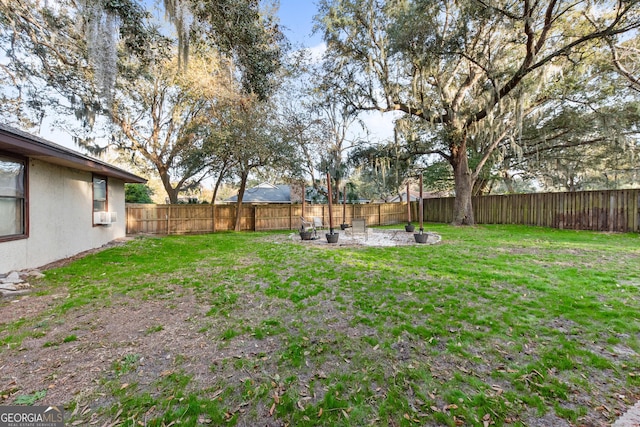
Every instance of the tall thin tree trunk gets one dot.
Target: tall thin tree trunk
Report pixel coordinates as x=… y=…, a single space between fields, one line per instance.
x=481 y=186
x=217 y=186
x=508 y=181
x=243 y=186
x=336 y=189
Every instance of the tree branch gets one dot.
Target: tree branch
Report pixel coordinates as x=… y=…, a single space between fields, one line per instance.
x=487 y=153
x=528 y=66
x=635 y=82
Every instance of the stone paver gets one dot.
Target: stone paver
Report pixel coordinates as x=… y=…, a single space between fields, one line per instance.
x=630 y=419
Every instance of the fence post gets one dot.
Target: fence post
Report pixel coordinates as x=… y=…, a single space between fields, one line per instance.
x=213 y=217
x=636 y=207
x=255 y=217
x=611 y=211
x=168 y=219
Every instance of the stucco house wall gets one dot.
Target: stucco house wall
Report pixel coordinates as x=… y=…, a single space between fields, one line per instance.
x=60 y=212
x=61 y=217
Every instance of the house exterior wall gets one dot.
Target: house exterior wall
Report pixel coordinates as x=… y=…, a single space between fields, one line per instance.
x=61 y=217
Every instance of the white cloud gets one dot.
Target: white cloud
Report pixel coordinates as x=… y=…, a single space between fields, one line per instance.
x=317 y=52
x=380 y=125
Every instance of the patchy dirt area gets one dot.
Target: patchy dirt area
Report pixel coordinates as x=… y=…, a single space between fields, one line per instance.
x=164 y=336
x=68 y=370
x=169 y=335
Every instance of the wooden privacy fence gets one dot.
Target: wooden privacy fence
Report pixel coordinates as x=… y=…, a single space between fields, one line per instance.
x=608 y=210
x=195 y=219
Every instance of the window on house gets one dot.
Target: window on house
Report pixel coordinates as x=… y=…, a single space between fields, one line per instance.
x=99 y=193
x=13 y=198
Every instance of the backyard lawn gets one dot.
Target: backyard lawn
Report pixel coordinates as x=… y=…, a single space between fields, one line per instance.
x=495 y=325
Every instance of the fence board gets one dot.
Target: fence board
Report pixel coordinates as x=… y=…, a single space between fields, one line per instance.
x=274 y=217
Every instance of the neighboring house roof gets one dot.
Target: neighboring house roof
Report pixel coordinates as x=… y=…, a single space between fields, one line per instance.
x=269 y=193
x=265 y=193
x=16 y=141
x=403 y=198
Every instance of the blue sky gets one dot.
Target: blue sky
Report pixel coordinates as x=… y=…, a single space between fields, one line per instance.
x=297 y=17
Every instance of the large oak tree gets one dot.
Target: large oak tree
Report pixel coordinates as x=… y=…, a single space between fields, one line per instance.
x=464 y=68
x=170 y=119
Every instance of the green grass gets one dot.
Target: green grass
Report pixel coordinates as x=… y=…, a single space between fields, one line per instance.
x=30 y=399
x=503 y=324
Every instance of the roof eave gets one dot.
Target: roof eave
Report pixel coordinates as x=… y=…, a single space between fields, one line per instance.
x=18 y=142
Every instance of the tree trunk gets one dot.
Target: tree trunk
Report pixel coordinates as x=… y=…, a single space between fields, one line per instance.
x=481 y=187
x=462 y=207
x=166 y=183
x=243 y=186
x=217 y=186
x=508 y=181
